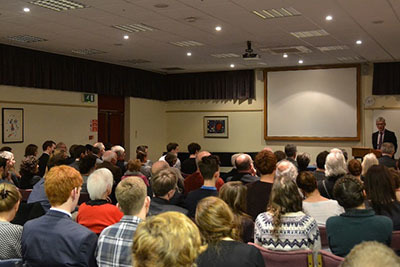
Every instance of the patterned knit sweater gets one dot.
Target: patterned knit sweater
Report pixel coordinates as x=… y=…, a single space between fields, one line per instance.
x=297 y=231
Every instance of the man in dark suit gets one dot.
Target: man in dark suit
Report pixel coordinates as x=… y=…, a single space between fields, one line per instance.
x=55 y=239
x=48 y=148
x=383 y=135
x=387 y=156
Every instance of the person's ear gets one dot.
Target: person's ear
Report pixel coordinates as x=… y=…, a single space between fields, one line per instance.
x=147 y=201
x=119 y=206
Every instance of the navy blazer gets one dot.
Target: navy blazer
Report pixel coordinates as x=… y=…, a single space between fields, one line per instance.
x=388 y=137
x=56 y=240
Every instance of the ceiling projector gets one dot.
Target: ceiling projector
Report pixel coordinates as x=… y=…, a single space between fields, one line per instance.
x=249 y=55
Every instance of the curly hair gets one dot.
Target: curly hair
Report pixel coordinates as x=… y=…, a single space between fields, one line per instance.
x=28 y=165
x=265 y=162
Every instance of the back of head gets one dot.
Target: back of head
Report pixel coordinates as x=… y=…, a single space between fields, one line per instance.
x=335 y=164
x=134 y=165
x=99 y=182
x=233 y=159
x=158 y=166
x=142 y=156
x=280 y=155
x=6 y=155
x=57 y=158
x=171 y=158
x=234 y=194
x=31 y=150
x=119 y=150
x=6 y=148
x=290 y=150
x=79 y=151
x=109 y=156
x=87 y=163
x=141 y=148
x=215 y=220
x=29 y=165
x=72 y=149
x=9 y=196
x=371 y=254
x=59 y=183
x=395 y=176
x=265 y=162
x=167 y=239
x=47 y=144
x=193 y=148
x=354 y=167
x=285 y=196
x=208 y=166
x=348 y=191
x=243 y=162
x=131 y=193
x=303 y=159
x=387 y=148
x=368 y=161
x=61 y=145
x=306 y=182
x=100 y=146
x=321 y=159
x=164 y=182
x=171 y=146
x=285 y=169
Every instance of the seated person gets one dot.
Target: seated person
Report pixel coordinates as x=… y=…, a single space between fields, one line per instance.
x=29 y=169
x=98 y=213
x=245 y=170
x=303 y=159
x=217 y=225
x=357 y=223
x=284 y=226
x=133 y=169
x=10 y=234
x=387 y=155
x=319 y=173
x=355 y=168
x=167 y=239
x=315 y=205
x=164 y=185
x=87 y=165
x=55 y=239
x=115 y=241
x=335 y=168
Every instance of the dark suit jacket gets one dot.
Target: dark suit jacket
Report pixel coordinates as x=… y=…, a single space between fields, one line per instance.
x=159 y=205
x=387 y=161
x=56 y=240
x=44 y=158
x=389 y=136
x=116 y=171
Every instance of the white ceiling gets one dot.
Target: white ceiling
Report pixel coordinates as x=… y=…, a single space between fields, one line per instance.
x=375 y=22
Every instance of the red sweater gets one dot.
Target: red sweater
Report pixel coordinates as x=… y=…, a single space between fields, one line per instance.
x=97 y=215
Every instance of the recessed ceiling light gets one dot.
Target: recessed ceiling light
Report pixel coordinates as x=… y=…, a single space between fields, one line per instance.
x=329 y=17
x=232 y=65
x=189 y=54
x=301 y=61
x=26 y=9
x=358 y=42
x=218 y=28
x=285 y=55
x=58 y=5
x=126 y=37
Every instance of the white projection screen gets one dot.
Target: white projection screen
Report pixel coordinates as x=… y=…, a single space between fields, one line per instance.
x=315 y=103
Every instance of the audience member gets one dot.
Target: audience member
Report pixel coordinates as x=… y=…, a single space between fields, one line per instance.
x=62 y=146
x=381 y=194
x=280 y=155
x=71 y=158
x=189 y=165
x=291 y=152
x=315 y=205
x=234 y=194
x=303 y=159
x=133 y=169
x=31 y=150
x=48 y=147
x=101 y=147
x=368 y=161
x=115 y=241
x=98 y=213
x=245 y=170
x=395 y=176
x=357 y=223
x=166 y=240
x=5 y=176
x=258 y=192
x=284 y=226
x=6 y=148
x=144 y=149
x=173 y=148
x=345 y=154
x=87 y=165
x=171 y=159
x=28 y=170
x=335 y=168
x=145 y=167
x=371 y=254
x=57 y=158
x=233 y=171
x=9 y=170
x=79 y=153
x=10 y=234
x=209 y=169
x=217 y=227
x=164 y=186
x=121 y=163
x=387 y=156
x=355 y=168
x=319 y=173
x=109 y=162
x=55 y=239
x=285 y=169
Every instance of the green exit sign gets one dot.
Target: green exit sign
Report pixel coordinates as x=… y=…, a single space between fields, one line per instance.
x=88 y=98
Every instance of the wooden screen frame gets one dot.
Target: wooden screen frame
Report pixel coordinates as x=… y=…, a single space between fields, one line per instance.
x=305 y=138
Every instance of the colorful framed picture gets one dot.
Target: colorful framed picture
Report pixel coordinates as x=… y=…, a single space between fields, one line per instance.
x=13 y=125
x=216 y=126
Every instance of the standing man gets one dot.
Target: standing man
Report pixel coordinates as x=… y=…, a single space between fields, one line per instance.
x=383 y=135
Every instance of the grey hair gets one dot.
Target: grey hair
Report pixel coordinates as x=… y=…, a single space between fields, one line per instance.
x=286 y=169
x=109 y=155
x=99 y=145
x=233 y=159
x=6 y=155
x=118 y=149
x=98 y=182
x=368 y=161
x=380 y=119
x=335 y=164
x=387 y=148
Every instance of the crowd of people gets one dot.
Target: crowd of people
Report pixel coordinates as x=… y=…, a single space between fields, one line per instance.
x=90 y=206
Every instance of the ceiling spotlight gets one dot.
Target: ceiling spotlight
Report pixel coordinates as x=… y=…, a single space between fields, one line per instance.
x=26 y=9
x=189 y=54
x=358 y=42
x=285 y=55
x=301 y=61
x=232 y=65
x=126 y=37
x=218 y=28
x=329 y=17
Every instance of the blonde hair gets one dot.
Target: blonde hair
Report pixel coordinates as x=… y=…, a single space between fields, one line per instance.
x=131 y=193
x=215 y=220
x=368 y=161
x=168 y=239
x=9 y=196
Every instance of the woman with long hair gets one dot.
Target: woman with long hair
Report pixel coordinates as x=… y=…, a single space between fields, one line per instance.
x=218 y=229
x=234 y=194
x=284 y=226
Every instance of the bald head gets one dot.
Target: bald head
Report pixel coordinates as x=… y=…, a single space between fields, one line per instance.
x=243 y=163
x=285 y=169
x=201 y=155
x=158 y=166
x=110 y=156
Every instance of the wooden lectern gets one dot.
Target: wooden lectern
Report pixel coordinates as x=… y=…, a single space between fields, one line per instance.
x=360 y=152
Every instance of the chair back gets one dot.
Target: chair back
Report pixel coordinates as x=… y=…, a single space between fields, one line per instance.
x=25 y=194
x=11 y=263
x=324 y=237
x=84 y=197
x=298 y=258
x=326 y=259
x=395 y=241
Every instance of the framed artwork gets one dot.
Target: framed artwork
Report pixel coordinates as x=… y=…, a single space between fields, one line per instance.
x=216 y=126
x=13 y=125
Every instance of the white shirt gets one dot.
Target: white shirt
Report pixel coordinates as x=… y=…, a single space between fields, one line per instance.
x=322 y=210
x=63 y=211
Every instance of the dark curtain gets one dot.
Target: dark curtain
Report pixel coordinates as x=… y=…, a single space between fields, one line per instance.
x=30 y=68
x=386 y=79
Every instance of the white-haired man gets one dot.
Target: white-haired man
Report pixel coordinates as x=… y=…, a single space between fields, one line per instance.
x=335 y=168
x=121 y=163
x=383 y=135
